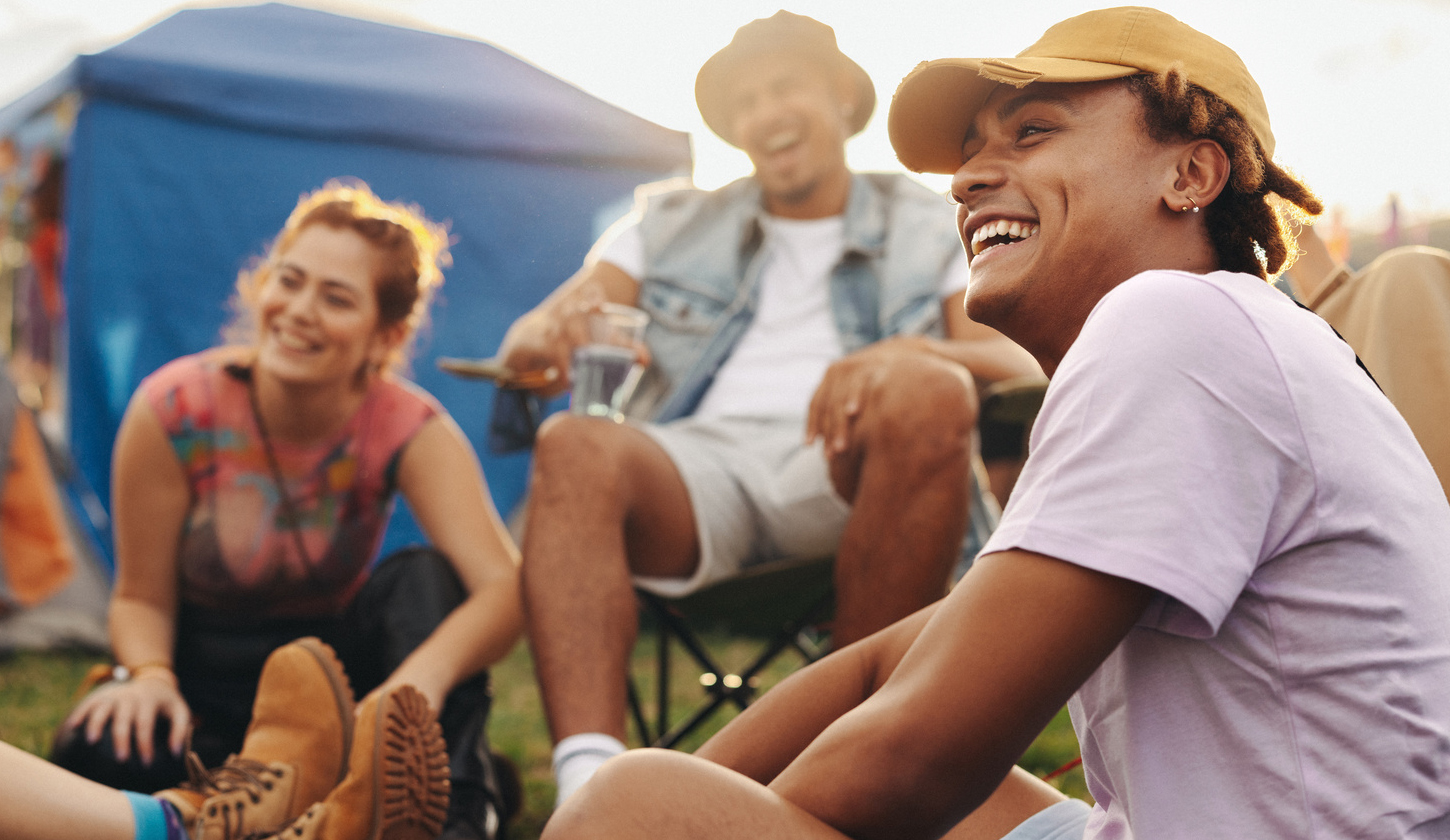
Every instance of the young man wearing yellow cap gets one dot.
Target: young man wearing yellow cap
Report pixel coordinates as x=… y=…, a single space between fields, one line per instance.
x=806 y=302
x=1225 y=549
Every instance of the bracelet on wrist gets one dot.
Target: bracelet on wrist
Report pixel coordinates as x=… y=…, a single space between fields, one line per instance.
x=126 y=673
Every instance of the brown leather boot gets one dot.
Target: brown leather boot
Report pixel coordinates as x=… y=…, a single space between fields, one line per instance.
x=397 y=782
x=294 y=752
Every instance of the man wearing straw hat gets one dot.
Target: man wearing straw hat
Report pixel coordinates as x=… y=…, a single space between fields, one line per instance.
x=804 y=303
x=1226 y=549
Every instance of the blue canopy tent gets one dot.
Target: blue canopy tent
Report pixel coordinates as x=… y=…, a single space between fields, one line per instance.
x=196 y=136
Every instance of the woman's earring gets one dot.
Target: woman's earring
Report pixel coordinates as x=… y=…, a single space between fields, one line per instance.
x=1190 y=201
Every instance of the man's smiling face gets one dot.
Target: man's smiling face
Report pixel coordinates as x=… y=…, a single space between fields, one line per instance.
x=790 y=116
x=1059 y=188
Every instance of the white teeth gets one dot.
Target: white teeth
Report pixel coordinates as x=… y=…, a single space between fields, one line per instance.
x=1001 y=227
x=781 y=140
x=292 y=342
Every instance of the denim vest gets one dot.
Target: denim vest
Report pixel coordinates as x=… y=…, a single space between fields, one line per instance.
x=702 y=275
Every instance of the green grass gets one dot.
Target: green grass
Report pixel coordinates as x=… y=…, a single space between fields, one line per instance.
x=36 y=691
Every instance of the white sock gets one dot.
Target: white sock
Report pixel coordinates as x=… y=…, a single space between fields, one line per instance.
x=578 y=756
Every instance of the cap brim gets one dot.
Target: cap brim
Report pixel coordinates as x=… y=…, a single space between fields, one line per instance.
x=936 y=103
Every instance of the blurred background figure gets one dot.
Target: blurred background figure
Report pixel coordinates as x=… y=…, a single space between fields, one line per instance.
x=39 y=304
x=812 y=391
x=1395 y=313
x=252 y=484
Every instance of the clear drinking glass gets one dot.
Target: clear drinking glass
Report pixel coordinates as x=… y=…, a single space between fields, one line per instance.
x=606 y=370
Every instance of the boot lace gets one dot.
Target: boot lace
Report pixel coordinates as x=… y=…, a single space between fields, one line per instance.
x=238 y=775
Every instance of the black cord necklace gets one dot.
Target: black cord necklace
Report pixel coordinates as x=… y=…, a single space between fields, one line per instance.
x=289 y=509
x=292 y=516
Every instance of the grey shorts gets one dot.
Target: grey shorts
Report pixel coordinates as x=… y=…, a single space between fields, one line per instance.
x=1063 y=821
x=761 y=495
x=758 y=492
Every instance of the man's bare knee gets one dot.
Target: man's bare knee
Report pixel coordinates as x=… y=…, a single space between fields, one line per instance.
x=574 y=488
x=624 y=787
x=578 y=451
x=590 y=473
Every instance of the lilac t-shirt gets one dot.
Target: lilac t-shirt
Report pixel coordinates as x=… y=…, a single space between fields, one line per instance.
x=1206 y=437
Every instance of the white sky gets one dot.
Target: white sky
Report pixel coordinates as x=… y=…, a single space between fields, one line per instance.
x=1359 y=91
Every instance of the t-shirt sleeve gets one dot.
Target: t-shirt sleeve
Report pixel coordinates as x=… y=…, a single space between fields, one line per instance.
x=623 y=246
x=956 y=277
x=1160 y=451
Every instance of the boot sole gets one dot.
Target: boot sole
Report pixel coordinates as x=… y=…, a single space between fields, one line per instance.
x=341 y=691
x=410 y=787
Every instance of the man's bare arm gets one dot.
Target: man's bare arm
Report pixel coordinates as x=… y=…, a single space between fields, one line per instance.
x=596 y=281
x=768 y=735
x=989 y=669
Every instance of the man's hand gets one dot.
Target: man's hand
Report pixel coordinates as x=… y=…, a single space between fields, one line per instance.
x=852 y=392
x=539 y=347
x=544 y=338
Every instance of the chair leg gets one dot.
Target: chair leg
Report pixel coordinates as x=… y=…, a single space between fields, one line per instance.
x=662 y=681
x=720 y=687
x=636 y=711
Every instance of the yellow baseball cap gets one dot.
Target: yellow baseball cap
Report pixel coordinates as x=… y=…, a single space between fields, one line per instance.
x=936 y=103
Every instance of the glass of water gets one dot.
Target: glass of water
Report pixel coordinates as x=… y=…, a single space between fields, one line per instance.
x=607 y=369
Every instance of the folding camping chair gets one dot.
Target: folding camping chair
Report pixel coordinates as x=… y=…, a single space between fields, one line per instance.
x=786 y=607
x=783 y=606
x=1004 y=421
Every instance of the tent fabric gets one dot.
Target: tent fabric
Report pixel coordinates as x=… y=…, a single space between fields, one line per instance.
x=282 y=68
x=52 y=591
x=36 y=551
x=197 y=136
x=37 y=557
x=75 y=617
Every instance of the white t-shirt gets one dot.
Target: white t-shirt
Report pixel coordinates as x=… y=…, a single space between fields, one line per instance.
x=1206 y=437
x=777 y=364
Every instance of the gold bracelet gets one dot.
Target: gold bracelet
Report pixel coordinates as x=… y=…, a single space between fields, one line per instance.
x=123 y=673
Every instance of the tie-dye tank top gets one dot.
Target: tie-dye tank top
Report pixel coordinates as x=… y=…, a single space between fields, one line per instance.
x=237 y=553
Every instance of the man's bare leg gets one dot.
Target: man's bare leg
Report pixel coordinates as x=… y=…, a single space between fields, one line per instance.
x=41 y=801
x=604 y=498
x=662 y=794
x=723 y=790
x=907 y=479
